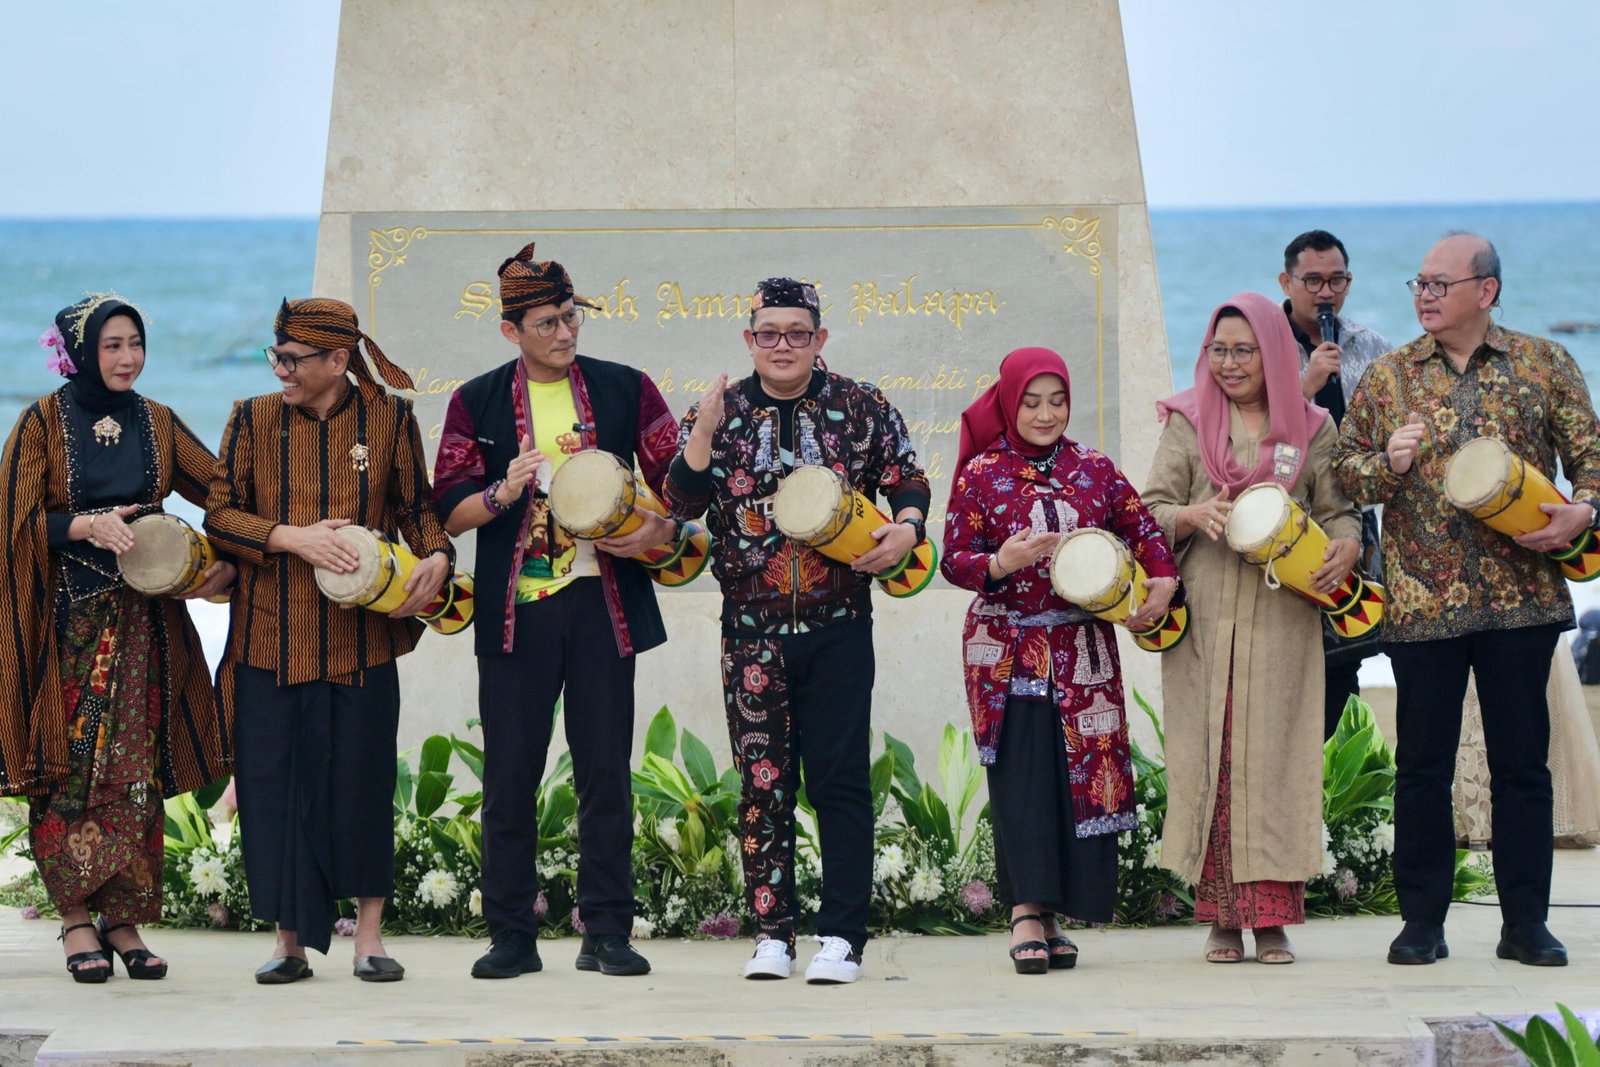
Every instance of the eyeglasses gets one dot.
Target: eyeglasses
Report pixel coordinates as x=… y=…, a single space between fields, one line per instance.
x=1336 y=283
x=796 y=338
x=546 y=327
x=1439 y=289
x=1241 y=354
x=288 y=362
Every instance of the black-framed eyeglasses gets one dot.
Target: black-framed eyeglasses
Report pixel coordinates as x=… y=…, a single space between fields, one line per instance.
x=1336 y=283
x=291 y=363
x=796 y=338
x=1439 y=288
x=1241 y=354
x=546 y=327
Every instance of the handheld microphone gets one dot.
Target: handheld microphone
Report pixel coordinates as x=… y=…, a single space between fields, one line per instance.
x=1327 y=322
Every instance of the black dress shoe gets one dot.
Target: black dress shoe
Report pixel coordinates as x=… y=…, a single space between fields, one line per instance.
x=1419 y=943
x=282 y=971
x=610 y=954
x=378 y=969
x=1532 y=944
x=510 y=954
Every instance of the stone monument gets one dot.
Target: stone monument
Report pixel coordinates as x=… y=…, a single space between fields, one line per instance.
x=958 y=180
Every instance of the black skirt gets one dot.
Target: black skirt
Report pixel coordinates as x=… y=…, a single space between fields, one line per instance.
x=1038 y=855
x=315 y=769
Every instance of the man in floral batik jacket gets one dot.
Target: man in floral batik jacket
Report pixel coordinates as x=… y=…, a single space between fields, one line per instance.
x=1463 y=596
x=797 y=659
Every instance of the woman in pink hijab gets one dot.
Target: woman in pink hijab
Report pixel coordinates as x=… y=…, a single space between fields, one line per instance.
x=1060 y=775
x=1243 y=694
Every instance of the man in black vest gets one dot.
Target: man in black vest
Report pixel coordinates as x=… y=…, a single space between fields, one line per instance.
x=556 y=616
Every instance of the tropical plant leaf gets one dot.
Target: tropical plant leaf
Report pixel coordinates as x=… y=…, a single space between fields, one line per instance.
x=208 y=795
x=1547 y=1048
x=905 y=765
x=470 y=754
x=432 y=789
x=881 y=775
x=435 y=755
x=1584 y=1048
x=404 y=781
x=1155 y=720
x=698 y=762
x=661 y=739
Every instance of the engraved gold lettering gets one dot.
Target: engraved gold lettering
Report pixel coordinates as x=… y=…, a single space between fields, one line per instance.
x=953 y=305
x=671 y=296
x=476 y=300
x=618 y=303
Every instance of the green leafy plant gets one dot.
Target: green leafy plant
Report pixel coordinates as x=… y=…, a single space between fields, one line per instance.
x=1545 y=1046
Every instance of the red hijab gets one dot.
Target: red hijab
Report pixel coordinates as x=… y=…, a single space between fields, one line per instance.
x=994 y=414
x=1292 y=419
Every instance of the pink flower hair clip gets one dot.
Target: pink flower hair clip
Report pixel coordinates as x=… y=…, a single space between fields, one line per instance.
x=59 y=360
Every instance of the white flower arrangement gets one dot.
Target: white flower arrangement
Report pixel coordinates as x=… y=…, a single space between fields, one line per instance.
x=475 y=903
x=208 y=875
x=643 y=929
x=438 y=888
x=1383 y=838
x=891 y=863
x=667 y=831
x=926 y=886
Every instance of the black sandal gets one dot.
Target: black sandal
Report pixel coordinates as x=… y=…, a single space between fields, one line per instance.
x=1059 y=961
x=136 y=961
x=76 y=961
x=1030 y=964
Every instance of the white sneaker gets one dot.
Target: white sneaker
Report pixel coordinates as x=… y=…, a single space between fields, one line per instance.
x=772 y=960
x=834 y=964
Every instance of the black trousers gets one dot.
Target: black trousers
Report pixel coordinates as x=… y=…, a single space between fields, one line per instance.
x=314 y=770
x=804 y=700
x=564 y=648
x=1511 y=668
x=1340 y=683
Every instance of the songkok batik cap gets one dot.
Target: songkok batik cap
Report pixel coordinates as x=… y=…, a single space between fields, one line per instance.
x=526 y=282
x=322 y=322
x=785 y=293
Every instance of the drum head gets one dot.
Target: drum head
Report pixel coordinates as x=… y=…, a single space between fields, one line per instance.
x=1477 y=473
x=1089 y=565
x=808 y=504
x=1260 y=513
x=161 y=557
x=361 y=585
x=588 y=491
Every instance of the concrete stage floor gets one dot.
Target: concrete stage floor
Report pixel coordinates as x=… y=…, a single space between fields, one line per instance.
x=1138 y=996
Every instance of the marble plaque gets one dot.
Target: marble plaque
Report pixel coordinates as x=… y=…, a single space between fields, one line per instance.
x=922 y=302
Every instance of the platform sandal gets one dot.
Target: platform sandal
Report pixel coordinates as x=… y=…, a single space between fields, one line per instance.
x=1029 y=964
x=76 y=962
x=136 y=961
x=1059 y=961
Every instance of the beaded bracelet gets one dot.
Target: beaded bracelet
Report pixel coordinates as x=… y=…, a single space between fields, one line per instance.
x=494 y=506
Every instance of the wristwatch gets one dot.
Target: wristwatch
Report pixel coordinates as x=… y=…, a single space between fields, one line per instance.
x=919 y=527
x=1594 y=520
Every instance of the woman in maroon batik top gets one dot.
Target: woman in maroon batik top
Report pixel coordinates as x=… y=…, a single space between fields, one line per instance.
x=1060 y=775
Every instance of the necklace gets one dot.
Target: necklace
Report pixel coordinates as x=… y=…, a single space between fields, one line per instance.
x=1044 y=463
x=108 y=431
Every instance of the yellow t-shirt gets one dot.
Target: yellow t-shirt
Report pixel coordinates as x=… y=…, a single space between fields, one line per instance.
x=552 y=557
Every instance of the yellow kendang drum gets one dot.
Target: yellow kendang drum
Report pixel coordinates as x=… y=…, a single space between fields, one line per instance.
x=592 y=496
x=1269 y=528
x=1490 y=482
x=168 y=558
x=1094 y=569
x=379 y=582
x=817 y=507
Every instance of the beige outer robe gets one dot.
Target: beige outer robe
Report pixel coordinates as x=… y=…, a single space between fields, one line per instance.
x=1276 y=641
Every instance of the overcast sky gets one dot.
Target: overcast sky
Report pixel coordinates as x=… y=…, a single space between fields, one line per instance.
x=178 y=107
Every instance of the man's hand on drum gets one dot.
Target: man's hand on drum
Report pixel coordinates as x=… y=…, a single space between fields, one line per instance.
x=1404 y=443
x=317 y=545
x=1023 y=549
x=423 y=585
x=656 y=530
x=110 y=528
x=1210 y=517
x=219 y=579
x=520 y=472
x=1158 y=593
x=1567 y=523
x=894 y=541
x=1338 y=558
x=697 y=449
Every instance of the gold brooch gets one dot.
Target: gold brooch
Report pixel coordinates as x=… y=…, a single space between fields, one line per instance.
x=108 y=431
x=358 y=457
